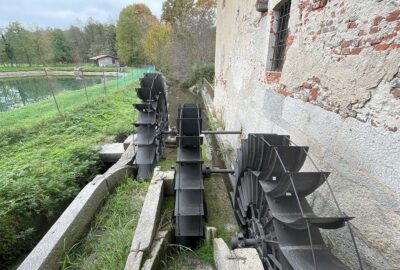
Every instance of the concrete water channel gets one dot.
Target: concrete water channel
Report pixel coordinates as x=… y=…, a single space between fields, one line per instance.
x=219 y=210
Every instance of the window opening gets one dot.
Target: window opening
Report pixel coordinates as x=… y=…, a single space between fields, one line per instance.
x=280 y=37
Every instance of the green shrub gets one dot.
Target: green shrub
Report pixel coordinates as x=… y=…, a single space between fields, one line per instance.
x=200 y=71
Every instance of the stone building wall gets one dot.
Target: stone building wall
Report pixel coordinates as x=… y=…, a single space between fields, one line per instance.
x=338 y=92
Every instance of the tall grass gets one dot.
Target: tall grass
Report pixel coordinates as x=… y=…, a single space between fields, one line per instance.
x=108 y=242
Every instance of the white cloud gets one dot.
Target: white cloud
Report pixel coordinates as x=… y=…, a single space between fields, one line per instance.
x=61 y=13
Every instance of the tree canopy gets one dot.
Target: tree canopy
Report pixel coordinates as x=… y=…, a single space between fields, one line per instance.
x=173 y=11
x=61 y=47
x=191 y=46
x=133 y=23
x=19 y=45
x=155 y=45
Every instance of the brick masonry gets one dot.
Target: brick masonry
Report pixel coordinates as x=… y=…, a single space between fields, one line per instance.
x=338 y=92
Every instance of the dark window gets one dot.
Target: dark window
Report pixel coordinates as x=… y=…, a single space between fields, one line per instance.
x=278 y=57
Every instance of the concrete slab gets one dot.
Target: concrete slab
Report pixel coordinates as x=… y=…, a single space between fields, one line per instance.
x=247 y=258
x=126 y=160
x=111 y=153
x=223 y=255
x=211 y=233
x=128 y=141
x=243 y=259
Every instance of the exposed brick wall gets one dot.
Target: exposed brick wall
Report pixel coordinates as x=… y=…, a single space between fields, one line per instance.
x=342 y=35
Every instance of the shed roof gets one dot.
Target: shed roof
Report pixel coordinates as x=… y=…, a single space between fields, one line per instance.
x=102 y=56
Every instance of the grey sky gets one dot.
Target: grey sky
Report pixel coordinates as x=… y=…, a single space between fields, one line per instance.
x=63 y=13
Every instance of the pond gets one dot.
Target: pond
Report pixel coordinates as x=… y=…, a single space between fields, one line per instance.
x=18 y=92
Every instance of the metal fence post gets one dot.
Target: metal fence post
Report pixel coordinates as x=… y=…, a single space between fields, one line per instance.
x=104 y=83
x=52 y=91
x=84 y=85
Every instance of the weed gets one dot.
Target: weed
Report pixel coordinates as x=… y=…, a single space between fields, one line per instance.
x=214 y=122
x=181 y=257
x=108 y=242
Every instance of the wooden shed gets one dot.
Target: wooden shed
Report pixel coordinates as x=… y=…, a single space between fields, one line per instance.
x=105 y=60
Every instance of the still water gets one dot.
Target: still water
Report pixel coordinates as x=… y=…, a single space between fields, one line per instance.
x=18 y=92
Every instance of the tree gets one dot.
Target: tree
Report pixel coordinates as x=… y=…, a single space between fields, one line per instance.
x=77 y=42
x=155 y=45
x=133 y=23
x=173 y=11
x=20 y=40
x=94 y=38
x=192 y=47
x=61 y=47
x=110 y=39
x=42 y=45
x=8 y=51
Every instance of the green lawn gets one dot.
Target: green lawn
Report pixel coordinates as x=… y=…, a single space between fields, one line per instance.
x=46 y=158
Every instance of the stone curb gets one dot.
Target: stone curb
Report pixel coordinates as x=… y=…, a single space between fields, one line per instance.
x=242 y=258
x=75 y=219
x=111 y=153
x=159 y=247
x=148 y=220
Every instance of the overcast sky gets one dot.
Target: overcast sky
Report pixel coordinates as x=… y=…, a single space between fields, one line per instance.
x=63 y=13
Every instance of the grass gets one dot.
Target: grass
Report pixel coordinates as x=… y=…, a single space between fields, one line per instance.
x=168 y=159
x=219 y=209
x=45 y=159
x=108 y=242
x=180 y=257
x=23 y=68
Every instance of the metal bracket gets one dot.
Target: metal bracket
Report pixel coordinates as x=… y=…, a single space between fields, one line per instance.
x=207 y=171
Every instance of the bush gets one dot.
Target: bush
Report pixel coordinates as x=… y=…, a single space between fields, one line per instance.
x=200 y=71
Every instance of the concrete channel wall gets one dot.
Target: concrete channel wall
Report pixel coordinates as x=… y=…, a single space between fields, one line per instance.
x=144 y=243
x=74 y=220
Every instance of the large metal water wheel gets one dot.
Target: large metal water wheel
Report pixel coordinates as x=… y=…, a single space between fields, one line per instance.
x=151 y=122
x=269 y=202
x=189 y=188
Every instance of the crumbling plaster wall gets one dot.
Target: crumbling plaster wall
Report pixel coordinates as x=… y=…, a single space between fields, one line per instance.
x=338 y=92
